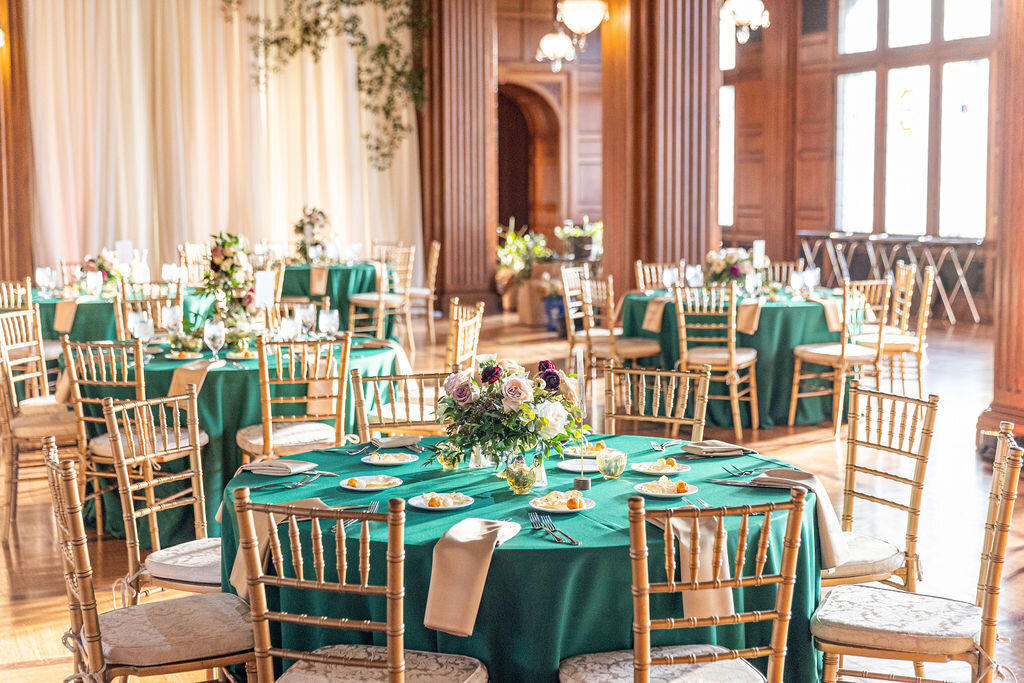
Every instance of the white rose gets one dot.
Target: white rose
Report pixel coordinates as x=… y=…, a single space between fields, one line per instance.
x=510 y=367
x=514 y=393
x=556 y=416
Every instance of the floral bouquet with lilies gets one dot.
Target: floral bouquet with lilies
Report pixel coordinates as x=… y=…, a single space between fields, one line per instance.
x=505 y=411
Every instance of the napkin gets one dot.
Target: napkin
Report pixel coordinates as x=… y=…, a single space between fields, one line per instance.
x=402 y=364
x=712 y=602
x=278 y=468
x=834 y=548
x=395 y=441
x=325 y=384
x=462 y=559
x=713 y=447
x=655 y=312
x=239 y=574
x=191 y=373
x=748 y=315
x=64 y=316
x=833 y=312
x=317 y=280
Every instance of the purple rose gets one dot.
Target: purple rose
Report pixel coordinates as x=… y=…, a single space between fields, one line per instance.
x=734 y=269
x=551 y=379
x=545 y=365
x=464 y=393
x=490 y=374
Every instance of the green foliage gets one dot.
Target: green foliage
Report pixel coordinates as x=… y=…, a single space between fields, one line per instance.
x=518 y=251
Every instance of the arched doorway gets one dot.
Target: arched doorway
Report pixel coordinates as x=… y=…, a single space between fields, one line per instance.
x=530 y=174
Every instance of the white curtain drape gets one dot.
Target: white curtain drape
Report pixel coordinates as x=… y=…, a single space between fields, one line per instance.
x=147 y=124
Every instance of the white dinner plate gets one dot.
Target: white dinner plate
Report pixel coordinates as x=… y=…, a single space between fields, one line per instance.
x=183 y=355
x=588 y=503
x=639 y=488
x=589 y=465
x=241 y=355
x=407 y=458
x=395 y=481
x=418 y=502
x=642 y=468
x=579 y=452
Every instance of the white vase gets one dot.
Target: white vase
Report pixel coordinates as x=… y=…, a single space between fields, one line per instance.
x=542 y=475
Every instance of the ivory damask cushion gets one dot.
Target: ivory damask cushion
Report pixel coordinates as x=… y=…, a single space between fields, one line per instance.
x=195 y=561
x=288 y=438
x=607 y=667
x=868 y=556
x=420 y=667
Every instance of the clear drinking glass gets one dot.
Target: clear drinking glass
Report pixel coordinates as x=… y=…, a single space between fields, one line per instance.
x=796 y=281
x=143 y=330
x=288 y=328
x=93 y=281
x=670 y=277
x=694 y=276
x=611 y=463
x=214 y=336
x=171 y=317
x=329 y=322
x=306 y=315
x=752 y=284
x=812 y=278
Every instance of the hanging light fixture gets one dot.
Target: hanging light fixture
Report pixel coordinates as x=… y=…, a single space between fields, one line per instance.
x=582 y=17
x=556 y=47
x=3 y=39
x=748 y=15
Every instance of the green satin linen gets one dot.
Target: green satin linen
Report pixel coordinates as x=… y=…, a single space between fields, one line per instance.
x=342 y=281
x=95 y=320
x=784 y=325
x=543 y=602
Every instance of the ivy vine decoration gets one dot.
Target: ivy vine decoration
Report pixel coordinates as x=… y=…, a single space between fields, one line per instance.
x=389 y=75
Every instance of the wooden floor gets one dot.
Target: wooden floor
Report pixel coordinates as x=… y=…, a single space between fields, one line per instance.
x=33 y=611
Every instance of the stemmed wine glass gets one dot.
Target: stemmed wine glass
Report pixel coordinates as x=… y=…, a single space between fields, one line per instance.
x=287 y=329
x=214 y=335
x=171 y=317
x=329 y=322
x=306 y=315
x=669 y=277
x=46 y=280
x=143 y=329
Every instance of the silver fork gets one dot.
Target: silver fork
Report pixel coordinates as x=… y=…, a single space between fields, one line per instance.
x=371 y=508
x=734 y=471
x=550 y=526
x=306 y=479
x=537 y=526
x=665 y=444
x=703 y=502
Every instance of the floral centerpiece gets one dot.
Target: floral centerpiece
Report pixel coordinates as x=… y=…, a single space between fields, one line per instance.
x=105 y=262
x=509 y=413
x=309 y=228
x=727 y=265
x=230 y=280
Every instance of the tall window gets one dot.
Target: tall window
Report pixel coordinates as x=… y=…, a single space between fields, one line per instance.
x=912 y=116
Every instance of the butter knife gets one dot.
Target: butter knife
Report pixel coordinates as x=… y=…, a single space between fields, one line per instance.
x=734 y=482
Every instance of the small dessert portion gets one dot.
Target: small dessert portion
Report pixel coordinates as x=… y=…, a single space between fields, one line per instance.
x=665 y=486
x=561 y=500
x=389 y=458
x=375 y=482
x=446 y=500
x=589 y=450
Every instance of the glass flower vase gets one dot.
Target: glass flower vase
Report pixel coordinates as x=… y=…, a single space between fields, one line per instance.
x=520 y=476
x=542 y=474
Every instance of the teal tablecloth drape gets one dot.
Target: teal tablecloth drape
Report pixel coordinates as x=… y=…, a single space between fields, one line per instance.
x=542 y=601
x=95 y=319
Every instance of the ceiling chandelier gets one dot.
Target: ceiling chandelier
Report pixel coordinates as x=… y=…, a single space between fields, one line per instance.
x=748 y=15
x=582 y=17
x=556 y=47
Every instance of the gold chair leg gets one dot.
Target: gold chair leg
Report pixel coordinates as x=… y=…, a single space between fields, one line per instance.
x=838 y=394
x=831 y=664
x=920 y=375
x=430 y=321
x=409 y=332
x=734 y=403
x=795 y=392
x=10 y=467
x=250 y=672
x=755 y=412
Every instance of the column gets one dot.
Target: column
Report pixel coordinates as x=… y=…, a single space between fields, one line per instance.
x=458 y=145
x=15 y=148
x=660 y=128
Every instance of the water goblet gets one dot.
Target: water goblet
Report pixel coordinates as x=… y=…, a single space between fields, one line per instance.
x=214 y=335
x=143 y=330
x=287 y=329
x=669 y=277
x=611 y=463
x=93 y=281
x=329 y=322
x=812 y=278
x=171 y=318
x=306 y=315
x=752 y=283
x=796 y=281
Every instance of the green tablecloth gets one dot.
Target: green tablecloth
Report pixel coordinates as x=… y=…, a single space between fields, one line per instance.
x=95 y=319
x=228 y=401
x=343 y=280
x=784 y=325
x=543 y=601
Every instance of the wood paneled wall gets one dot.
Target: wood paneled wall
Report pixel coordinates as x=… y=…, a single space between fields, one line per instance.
x=15 y=148
x=459 y=144
x=564 y=110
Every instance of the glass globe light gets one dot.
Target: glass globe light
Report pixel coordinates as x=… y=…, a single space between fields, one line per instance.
x=748 y=15
x=582 y=17
x=556 y=46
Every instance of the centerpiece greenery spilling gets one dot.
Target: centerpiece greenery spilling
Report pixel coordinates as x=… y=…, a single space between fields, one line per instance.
x=518 y=251
x=309 y=229
x=230 y=280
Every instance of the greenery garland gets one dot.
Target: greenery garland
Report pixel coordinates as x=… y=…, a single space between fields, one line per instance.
x=389 y=75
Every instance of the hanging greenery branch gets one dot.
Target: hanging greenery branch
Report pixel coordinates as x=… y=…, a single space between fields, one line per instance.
x=387 y=72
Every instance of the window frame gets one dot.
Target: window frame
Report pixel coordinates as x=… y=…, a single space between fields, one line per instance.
x=934 y=54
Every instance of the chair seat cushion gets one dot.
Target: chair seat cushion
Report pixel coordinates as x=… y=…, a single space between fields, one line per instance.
x=718 y=356
x=36 y=425
x=602 y=332
x=890 y=342
x=371 y=299
x=892 y=619
x=605 y=667
x=869 y=556
x=194 y=627
x=288 y=438
x=420 y=667
x=100 y=445
x=626 y=347
x=872 y=329
x=42 y=405
x=195 y=561
x=420 y=292
x=828 y=353
x=52 y=349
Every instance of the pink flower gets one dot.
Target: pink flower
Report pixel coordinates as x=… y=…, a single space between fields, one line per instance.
x=465 y=393
x=514 y=393
x=568 y=388
x=453 y=381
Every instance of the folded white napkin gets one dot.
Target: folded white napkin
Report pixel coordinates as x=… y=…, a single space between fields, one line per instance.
x=716 y=602
x=462 y=558
x=279 y=467
x=654 y=314
x=711 y=447
x=834 y=548
x=395 y=441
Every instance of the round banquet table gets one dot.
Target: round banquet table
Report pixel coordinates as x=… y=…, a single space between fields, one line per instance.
x=542 y=601
x=784 y=325
x=228 y=401
x=343 y=280
x=95 y=319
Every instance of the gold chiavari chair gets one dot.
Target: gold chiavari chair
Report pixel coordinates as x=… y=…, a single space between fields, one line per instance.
x=95 y=371
x=15 y=294
x=337 y=662
x=707 y=316
x=70 y=272
x=369 y=311
x=163 y=637
x=310 y=374
x=572 y=299
x=23 y=353
x=883 y=623
x=149 y=300
x=288 y=309
x=660 y=396
x=398 y=404
x=779 y=271
x=464 y=325
x=652 y=275
x=21 y=334
x=194 y=257
x=382 y=250
x=145 y=436
x=843 y=359
x=702 y=662
x=600 y=313
x=897 y=345
x=427 y=295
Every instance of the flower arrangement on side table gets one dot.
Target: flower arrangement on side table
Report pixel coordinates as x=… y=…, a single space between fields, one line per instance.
x=507 y=412
x=308 y=228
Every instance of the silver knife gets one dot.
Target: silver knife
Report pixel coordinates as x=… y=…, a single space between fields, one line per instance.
x=733 y=482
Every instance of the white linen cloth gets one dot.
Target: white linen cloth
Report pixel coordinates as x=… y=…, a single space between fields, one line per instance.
x=834 y=548
x=395 y=441
x=714 y=447
x=277 y=467
x=715 y=602
x=462 y=558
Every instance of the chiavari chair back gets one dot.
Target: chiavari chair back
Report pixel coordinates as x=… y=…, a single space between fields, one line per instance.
x=289 y=309
x=902 y=296
x=70 y=272
x=877 y=295
x=779 y=271
x=15 y=294
x=368 y=312
x=149 y=300
x=650 y=275
x=427 y=295
x=657 y=396
x=22 y=354
x=990 y=549
x=194 y=258
x=572 y=300
x=464 y=325
x=398 y=404
x=600 y=315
